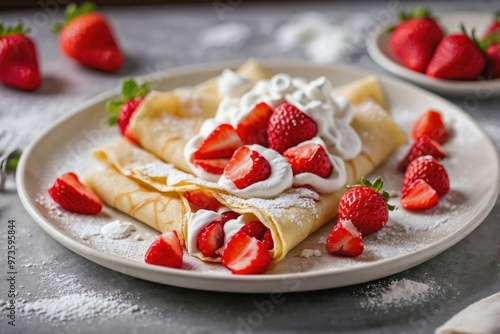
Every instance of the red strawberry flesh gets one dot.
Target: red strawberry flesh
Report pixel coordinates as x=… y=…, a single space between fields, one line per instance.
x=166 y=250
x=344 y=239
x=245 y=255
x=419 y=196
x=210 y=239
x=253 y=128
x=309 y=158
x=247 y=167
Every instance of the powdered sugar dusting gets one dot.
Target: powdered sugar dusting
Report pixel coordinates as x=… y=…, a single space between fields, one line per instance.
x=307 y=253
x=398 y=293
x=117 y=229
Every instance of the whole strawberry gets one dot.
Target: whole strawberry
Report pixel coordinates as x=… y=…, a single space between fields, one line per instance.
x=87 y=38
x=414 y=40
x=121 y=110
x=492 y=70
x=18 y=59
x=365 y=206
x=457 y=57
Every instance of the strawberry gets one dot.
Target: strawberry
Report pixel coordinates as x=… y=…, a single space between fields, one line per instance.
x=494 y=26
x=288 y=127
x=121 y=110
x=365 y=206
x=228 y=215
x=247 y=167
x=87 y=38
x=492 y=52
x=18 y=59
x=422 y=146
x=221 y=143
x=345 y=239
x=309 y=158
x=415 y=38
x=254 y=229
x=267 y=239
x=244 y=254
x=431 y=171
x=213 y=166
x=457 y=57
x=253 y=128
x=202 y=200
x=430 y=124
x=71 y=194
x=419 y=196
x=210 y=239
x=166 y=250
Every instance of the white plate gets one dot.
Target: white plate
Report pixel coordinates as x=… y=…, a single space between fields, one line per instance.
x=380 y=51
x=408 y=240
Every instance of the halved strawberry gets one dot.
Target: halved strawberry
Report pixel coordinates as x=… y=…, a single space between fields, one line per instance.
x=419 y=196
x=228 y=215
x=431 y=171
x=309 y=158
x=430 y=124
x=122 y=109
x=166 y=250
x=244 y=254
x=221 y=143
x=254 y=229
x=267 y=239
x=71 y=194
x=344 y=239
x=424 y=145
x=212 y=166
x=288 y=127
x=247 y=167
x=253 y=128
x=210 y=239
x=202 y=200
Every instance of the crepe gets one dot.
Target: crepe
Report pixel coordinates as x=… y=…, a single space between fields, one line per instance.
x=291 y=217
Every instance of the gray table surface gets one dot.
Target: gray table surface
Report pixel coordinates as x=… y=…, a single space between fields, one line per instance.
x=158 y=38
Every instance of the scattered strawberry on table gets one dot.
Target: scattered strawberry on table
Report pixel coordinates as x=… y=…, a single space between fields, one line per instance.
x=415 y=38
x=122 y=109
x=18 y=59
x=72 y=195
x=86 y=37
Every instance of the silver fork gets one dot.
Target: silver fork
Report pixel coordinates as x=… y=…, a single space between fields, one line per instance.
x=7 y=149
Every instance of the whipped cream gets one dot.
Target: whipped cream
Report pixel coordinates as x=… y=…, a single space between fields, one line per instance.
x=336 y=180
x=231 y=227
x=197 y=222
x=281 y=177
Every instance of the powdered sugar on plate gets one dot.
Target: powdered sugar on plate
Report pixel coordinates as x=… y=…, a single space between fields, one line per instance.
x=117 y=229
x=225 y=35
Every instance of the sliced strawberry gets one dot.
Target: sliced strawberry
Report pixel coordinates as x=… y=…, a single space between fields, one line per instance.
x=74 y=196
x=253 y=128
x=430 y=124
x=166 y=250
x=267 y=239
x=431 y=171
x=254 y=229
x=202 y=200
x=247 y=167
x=228 y=215
x=221 y=143
x=244 y=254
x=309 y=158
x=210 y=239
x=213 y=166
x=344 y=239
x=422 y=146
x=419 y=196
x=288 y=127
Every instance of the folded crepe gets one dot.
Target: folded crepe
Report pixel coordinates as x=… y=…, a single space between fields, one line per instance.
x=140 y=183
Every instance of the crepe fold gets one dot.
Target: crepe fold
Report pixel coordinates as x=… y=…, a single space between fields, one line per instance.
x=138 y=182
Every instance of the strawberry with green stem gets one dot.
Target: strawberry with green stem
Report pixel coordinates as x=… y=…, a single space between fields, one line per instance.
x=122 y=109
x=86 y=37
x=494 y=26
x=18 y=58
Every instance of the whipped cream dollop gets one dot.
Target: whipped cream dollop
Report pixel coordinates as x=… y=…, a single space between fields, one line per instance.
x=231 y=227
x=336 y=180
x=280 y=179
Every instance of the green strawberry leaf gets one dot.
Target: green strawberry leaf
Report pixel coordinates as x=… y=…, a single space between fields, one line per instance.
x=113 y=106
x=112 y=120
x=11 y=30
x=73 y=11
x=12 y=163
x=143 y=90
x=129 y=89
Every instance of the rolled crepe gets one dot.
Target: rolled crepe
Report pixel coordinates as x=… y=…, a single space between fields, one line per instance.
x=292 y=216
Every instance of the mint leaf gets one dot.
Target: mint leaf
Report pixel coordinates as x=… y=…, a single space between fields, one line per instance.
x=129 y=89
x=143 y=90
x=112 y=120
x=113 y=106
